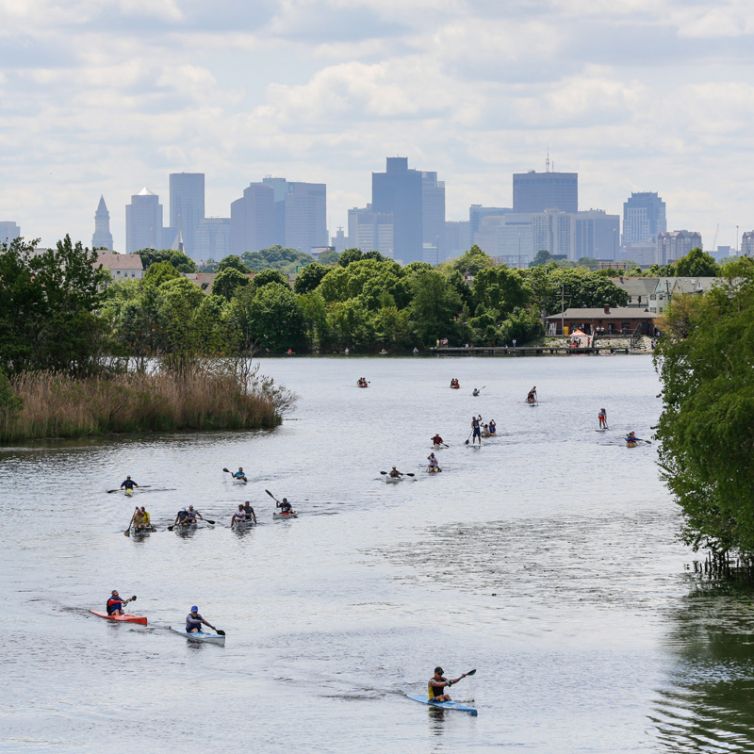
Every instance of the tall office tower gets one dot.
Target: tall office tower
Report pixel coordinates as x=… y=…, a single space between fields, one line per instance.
x=673 y=245
x=212 y=239
x=102 y=238
x=186 y=207
x=252 y=219
x=643 y=218
x=554 y=231
x=433 y=214
x=597 y=235
x=371 y=231
x=339 y=241
x=537 y=192
x=747 y=243
x=9 y=231
x=477 y=213
x=457 y=239
x=398 y=191
x=144 y=222
x=300 y=213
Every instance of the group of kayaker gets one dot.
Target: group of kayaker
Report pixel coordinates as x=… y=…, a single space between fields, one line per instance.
x=455 y=384
x=362 y=382
x=194 y=621
x=141 y=520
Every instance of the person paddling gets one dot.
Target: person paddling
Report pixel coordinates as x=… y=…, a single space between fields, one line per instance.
x=437 y=440
x=193 y=515
x=128 y=485
x=240 y=475
x=433 y=464
x=181 y=518
x=115 y=603
x=476 y=430
x=394 y=473
x=249 y=513
x=437 y=685
x=239 y=517
x=475 y=392
x=194 y=621
x=146 y=519
x=602 y=418
x=532 y=396
x=492 y=427
x=284 y=505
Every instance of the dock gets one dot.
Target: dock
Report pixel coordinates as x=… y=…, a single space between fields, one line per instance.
x=528 y=350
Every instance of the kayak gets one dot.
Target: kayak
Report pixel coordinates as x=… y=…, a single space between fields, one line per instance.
x=240 y=481
x=457 y=706
x=631 y=444
x=393 y=479
x=137 y=531
x=292 y=514
x=125 y=618
x=184 y=528
x=243 y=525
x=438 y=447
x=435 y=470
x=128 y=492
x=199 y=636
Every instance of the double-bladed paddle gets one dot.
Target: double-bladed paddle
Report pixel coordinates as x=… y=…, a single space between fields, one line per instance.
x=402 y=473
x=240 y=479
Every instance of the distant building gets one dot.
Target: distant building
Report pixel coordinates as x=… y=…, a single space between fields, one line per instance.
x=747 y=243
x=371 y=231
x=639 y=289
x=597 y=235
x=643 y=218
x=619 y=320
x=187 y=208
x=144 y=222
x=672 y=245
x=300 y=213
x=339 y=241
x=457 y=239
x=121 y=266
x=398 y=192
x=252 y=219
x=554 y=231
x=102 y=238
x=212 y=238
x=9 y=231
x=508 y=237
x=477 y=213
x=643 y=254
x=667 y=287
x=433 y=216
x=537 y=192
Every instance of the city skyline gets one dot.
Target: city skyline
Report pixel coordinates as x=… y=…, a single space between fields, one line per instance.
x=104 y=98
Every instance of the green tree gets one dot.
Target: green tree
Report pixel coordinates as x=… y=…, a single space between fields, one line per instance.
x=314 y=312
x=351 y=325
x=704 y=359
x=541 y=257
x=233 y=261
x=228 y=281
x=310 y=277
x=270 y=318
x=697 y=264
x=159 y=273
x=288 y=261
x=350 y=255
x=472 y=262
x=178 y=259
x=499 y=290
x=434 y=307
x=265 y=277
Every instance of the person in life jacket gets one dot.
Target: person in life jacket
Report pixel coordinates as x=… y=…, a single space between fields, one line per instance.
x=116 y=603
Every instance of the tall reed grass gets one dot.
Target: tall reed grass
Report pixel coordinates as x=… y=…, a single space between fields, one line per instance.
x=56 y=405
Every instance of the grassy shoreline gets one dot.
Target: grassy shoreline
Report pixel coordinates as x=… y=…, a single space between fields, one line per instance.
x=59 y=406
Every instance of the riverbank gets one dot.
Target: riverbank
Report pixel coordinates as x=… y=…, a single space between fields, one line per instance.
x=58 y=406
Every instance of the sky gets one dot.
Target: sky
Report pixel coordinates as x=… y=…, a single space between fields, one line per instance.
x=108 y=96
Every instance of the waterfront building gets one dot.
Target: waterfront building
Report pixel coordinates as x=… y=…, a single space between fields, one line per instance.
x=121 y=266
x=672 y=245
x=9 y=231
x=747 y=243
x=667 y=287
x=537 y=192
x=639 y=289
x=102 y=238
x=144 y=222
x=187 y=208
x=212 y=238
x=619 y=320
x=371 y=231
x=597 y=235
x=252 y=219
x=643 y=218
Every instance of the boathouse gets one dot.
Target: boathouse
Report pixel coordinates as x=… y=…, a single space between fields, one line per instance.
x=617 y=320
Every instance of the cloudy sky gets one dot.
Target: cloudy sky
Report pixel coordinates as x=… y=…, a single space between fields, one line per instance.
x=106 y=96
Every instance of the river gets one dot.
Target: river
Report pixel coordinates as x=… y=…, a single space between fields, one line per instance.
x=548 y=560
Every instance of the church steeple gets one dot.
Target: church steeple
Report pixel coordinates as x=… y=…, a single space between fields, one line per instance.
x=102 y=238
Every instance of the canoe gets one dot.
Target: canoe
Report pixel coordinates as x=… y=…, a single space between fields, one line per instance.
x=199 y=636
x=292 y=514
x=243 y=525
x=455 y=387
x=457 y=706
x=125 y=618
x=139 y=531
x=184 y=528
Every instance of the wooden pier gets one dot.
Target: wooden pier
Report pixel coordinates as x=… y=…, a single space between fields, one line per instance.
x=526 y=350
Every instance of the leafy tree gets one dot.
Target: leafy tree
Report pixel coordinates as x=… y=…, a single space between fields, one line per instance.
x=697 y=264
x=10 y=403
x=541 y=257
x=233 y=261
x=329 y=257
x=499 y=290
x=314 y=312
x=288 y=261
x=275 y=320
x=576 y=287
x=160 y=272
x=180 y=340
x=334 y=285
x=265 y=277
x=228 y=281
x=350 y=255
x=472 y=262
x=310 y=277
x=434 y=307
x=350 y=325
x=704 y=359
x=178 y=259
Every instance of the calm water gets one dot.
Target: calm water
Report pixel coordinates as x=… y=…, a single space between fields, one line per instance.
x=547 y=559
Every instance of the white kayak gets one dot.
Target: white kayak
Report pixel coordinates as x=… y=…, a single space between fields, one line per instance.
x=457 y=706
x=199 y=636
x=393 y=479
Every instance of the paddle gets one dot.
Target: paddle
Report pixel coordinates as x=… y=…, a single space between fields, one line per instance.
x=240 y=479
x=469 y=437
x=206 y=520
x=465 y=675
x=402 y=473
x=272 y=496
x=127 y=532
x=140 y=486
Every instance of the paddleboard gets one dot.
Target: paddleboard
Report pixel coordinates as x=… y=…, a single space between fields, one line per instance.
x=457 y=706
x=125 y=618
x=199 y=636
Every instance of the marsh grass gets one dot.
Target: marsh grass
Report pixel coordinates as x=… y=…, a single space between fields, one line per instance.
x=56 y=405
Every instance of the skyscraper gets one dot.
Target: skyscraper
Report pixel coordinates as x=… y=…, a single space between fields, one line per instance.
x=747 y=243
x=212 y=239
x=187 y=207
x=398 y=191
x=597 y=235
x=144 y=222
x=102 y=238
x=643 y=218
x=9 y=231
x=371 y=231
x=537 y=192
x=252 y=219
x=433 y=212
x=300 y=213
x=676 y=244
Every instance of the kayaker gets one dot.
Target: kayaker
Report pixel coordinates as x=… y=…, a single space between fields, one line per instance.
x=138 y=519
x=146 y=518
x=632 y=440
x=194 y=621
x=248 y=512
x=476 y=430
x=433 y=464
x=240 y=474
x=239 y=517
x=128 y=484
x=193 y=515
x=475 y=392
x=284 y=505
x=181 y=518
x=602 y=418
x=492 y=427
x=437 y=440
x=437 y=685
x=394 y=473
x=115 y=603
x=532 y=396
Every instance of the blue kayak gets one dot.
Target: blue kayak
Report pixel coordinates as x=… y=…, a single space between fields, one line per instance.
x=457 y=706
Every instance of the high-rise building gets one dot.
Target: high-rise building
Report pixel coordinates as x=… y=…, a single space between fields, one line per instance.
x=212 y=239
x=747 y=243
x=371 y=231
x=457 y=239
x=508 y=237
x=252 y=219
x=300 y=213
x=554 y=231
x=144 y=222
x=597 y=235
x=672 y=245
x=537 y=192
x=643 y=218
x=339 y=241
x=398 y=191
x=476 y=214
x=187 y=207
x=433 y=214
x=102 y=238
x=9 y=231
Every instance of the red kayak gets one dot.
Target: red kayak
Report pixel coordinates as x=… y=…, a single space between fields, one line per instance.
x=126 y=618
